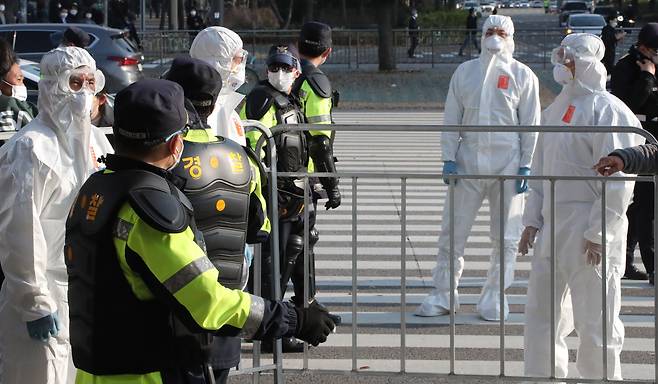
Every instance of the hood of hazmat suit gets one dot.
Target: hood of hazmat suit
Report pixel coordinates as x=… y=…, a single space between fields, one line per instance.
x=494 y=89
x=42 y=168
x=217 y=46
x=583 y=101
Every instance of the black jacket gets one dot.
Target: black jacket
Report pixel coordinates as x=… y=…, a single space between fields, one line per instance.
x=413 y=27
x=472 y=23
x=637 y=89
x=610 y=42
x=642 y=159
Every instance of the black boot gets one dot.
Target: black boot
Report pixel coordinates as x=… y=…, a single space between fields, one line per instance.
x=632 y=273
x=288 y=345
x=651 y=278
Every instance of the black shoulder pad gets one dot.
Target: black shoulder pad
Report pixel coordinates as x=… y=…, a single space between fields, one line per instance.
x=320 y=83
x=258 y=102
x=159 y=209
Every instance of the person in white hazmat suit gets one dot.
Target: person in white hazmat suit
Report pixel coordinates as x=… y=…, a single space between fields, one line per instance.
x=583 y=101
x=493 y=89
x=41 y=169
x=223 y=49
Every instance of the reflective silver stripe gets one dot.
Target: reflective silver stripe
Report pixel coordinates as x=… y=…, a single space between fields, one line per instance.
x=319 y=119
x=189 y=272
x=642 y=117
x=256 y=313
x=122 y=229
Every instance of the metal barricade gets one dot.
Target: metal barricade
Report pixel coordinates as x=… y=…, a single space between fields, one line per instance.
x=501 y=179
x=355 y=48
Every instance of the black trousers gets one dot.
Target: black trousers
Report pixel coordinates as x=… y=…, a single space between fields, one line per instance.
x=640 y=226
x=414 y=44
x=287 y=228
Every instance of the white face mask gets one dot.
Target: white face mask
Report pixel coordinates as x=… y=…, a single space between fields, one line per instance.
x=63 y=15
x=87 y=15
x=613 y=24
x=18 y=91
x=281 y=80
x=216 y=14
x=177 y=157
x=192 y=13
x=237 y=77
x=82 y=103
x=562 y=74
x=74 y=12
x=494 y=44
x=2 y=7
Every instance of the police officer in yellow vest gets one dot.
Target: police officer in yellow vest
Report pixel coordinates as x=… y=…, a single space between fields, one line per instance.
x=136 y=259
x=272 y=103
x=220 y=171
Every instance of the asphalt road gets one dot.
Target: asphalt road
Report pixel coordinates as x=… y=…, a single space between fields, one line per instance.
x=378 y=273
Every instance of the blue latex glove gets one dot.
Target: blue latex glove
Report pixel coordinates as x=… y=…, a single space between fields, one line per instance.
x=248 y=254
x=43 y=328
x=449 y=168
x=522 y=185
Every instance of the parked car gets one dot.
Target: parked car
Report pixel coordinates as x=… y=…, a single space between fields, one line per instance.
x=570 y=8
x=487 y=6
x=472 y=4
x=537 y=4
x=524 y=4
x=585 y=23
x=115 y=53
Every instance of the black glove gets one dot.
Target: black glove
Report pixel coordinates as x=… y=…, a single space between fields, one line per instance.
x=333 y=197
x=314 y=324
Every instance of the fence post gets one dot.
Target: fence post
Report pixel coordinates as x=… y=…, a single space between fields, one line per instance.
x=432 y=45
x=358 y=48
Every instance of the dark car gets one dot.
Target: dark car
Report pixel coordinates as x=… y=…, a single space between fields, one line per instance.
x=607 y=10
x=571 y=8
x=115 y=53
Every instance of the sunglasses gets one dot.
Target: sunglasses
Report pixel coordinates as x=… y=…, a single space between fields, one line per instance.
x=280 y=67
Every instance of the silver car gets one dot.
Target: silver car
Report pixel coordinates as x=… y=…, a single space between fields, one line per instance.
x=115 y=53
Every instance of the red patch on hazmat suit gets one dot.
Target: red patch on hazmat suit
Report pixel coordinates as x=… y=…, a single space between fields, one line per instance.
x=568 y=115
x=503 y=82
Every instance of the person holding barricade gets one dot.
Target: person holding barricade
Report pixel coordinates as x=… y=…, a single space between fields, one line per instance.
x=493 y=89
x=136 y=259
x=581 y=232
x=634 y=81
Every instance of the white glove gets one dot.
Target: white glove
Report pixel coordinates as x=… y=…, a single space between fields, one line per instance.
x=527 y=240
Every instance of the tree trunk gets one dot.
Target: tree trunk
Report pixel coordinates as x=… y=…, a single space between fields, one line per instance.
x=275 y=9
x=385 y=29
x=289 y=18
x=343 y=9
x=308 y=10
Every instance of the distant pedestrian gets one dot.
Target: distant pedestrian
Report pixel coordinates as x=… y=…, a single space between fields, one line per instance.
x=611 y=36
x=413 y=32
x=471 y=31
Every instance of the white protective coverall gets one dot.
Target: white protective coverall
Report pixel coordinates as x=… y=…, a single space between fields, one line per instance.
x=582 y=102
x=493 y=89
x=217 y=46
x=41 y=169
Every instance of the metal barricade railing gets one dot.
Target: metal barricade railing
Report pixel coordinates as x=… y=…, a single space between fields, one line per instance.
x=277 y=367
x=354 y=48
x=501 y=179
